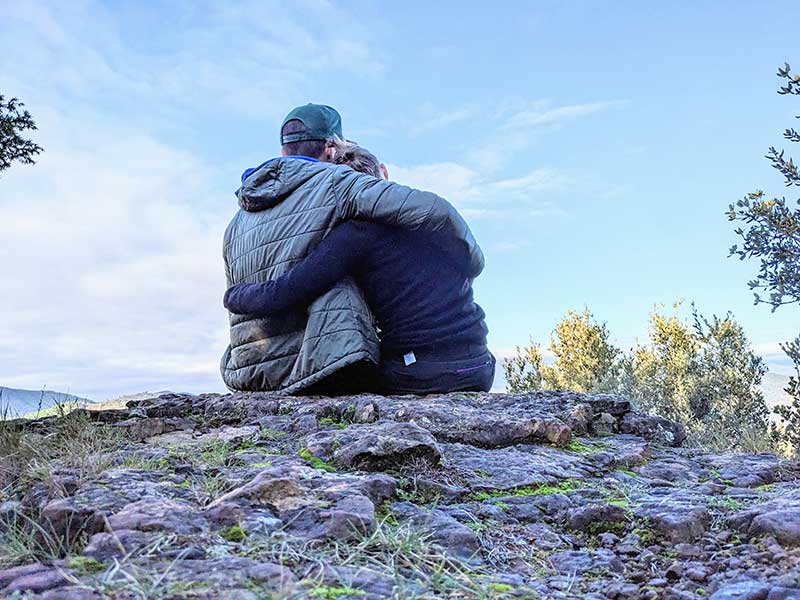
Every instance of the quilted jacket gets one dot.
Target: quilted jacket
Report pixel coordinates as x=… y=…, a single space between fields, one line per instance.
x=287 y=206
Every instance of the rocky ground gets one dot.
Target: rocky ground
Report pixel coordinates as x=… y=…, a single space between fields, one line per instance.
x=253 y=496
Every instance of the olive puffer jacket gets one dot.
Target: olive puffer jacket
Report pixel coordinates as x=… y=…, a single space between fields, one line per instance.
x=287 y=206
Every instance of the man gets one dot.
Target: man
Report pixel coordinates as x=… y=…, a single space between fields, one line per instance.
x=433 y=335
x=287 y=206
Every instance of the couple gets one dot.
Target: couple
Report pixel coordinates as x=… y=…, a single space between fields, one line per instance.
x=342 y=282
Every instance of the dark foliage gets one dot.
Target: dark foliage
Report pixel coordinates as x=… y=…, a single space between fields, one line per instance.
x=14 y=120
x=771 y=234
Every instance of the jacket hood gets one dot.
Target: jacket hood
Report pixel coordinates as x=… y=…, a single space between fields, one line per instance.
x=267 y=185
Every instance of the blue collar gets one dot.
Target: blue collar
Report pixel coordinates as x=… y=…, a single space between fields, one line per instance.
x=248 y=172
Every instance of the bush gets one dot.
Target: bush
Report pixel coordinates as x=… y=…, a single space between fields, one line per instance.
x=703 y=375
x=585 y=360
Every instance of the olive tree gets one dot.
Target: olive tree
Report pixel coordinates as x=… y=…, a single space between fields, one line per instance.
x=769 y=228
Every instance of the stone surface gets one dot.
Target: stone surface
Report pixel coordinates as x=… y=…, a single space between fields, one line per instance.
x=542 y=495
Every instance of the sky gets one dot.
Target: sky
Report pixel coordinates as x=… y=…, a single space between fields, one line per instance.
x=593 y=148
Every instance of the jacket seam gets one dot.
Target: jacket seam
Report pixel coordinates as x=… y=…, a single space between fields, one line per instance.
x=314 y=312
x=400 y=210
x=430 y=210
x=267 y=244
x=263 y=223
x=272 y=359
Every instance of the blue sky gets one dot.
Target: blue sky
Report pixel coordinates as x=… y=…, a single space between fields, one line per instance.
x=593 y=147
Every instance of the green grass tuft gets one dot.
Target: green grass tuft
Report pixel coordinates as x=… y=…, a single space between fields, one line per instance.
x=317 y=463
x=502 y=588
x=85 y=565
x=587 y=447
x=333 y=423
x=564 y=487
x=335 y=593
x=235 y=534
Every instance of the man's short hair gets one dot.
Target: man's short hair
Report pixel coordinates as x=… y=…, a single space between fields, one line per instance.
x=358 y=159
x=310 y=148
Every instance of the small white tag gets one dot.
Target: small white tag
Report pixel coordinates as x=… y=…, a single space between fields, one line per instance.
x=409 y=358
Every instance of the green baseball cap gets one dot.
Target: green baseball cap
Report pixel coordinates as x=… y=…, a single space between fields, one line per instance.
x=322 y=122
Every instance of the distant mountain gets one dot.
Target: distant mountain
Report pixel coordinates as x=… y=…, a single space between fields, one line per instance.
x=18 y=403
x=122 y=401
x=773 y=387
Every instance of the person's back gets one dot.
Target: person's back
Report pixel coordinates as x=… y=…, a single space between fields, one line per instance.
x=423 y=303
x=419 y=296
x=284 y=215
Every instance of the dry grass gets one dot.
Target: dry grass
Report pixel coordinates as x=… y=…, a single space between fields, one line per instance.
x=71 y=443
x=400 y=553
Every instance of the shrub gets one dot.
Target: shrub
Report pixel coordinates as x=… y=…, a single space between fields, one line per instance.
x=702 y=374
x=585 y=359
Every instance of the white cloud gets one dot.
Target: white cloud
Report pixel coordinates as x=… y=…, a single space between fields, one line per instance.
x=220 y=56
x=432 y=122
x=450 y=180
x=477 y=195
x=538 y=180
x=540 y=114
x=113 y=265
x=520 y=124
x=111 y=247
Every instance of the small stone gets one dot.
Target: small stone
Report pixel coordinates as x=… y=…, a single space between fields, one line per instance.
x=375 y=446
x=621 y=591
x=597 y=518
x=269 y=488
x=158 y=515
x=36 y=582
x=459 y=540
x=697 y=574
x=724 y=536
x=608 y=539
x=604 y=423
x=70 y=593
x=578 y=561
x=743 y=590
x=688 y=550
x=9 y=575
x=66 y=520
x=271 y=573
x=679 y=524
x=304 y=424
x=122 y=542
x=783 y=525
x=366 y=412
x=674 y=571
